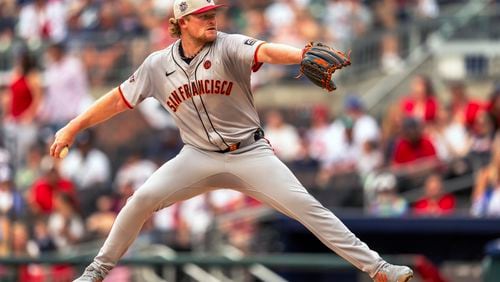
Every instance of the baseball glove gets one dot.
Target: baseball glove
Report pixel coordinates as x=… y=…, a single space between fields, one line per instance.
x=320 y=61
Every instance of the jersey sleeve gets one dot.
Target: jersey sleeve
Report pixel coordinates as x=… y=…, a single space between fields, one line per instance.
x=138 y=86
x=242 y=50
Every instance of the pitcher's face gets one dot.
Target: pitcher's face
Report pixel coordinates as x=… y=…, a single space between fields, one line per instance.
x=202 y=27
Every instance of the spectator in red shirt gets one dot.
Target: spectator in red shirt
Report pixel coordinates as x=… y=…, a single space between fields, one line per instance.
x=414 y=155
x=45 y=189
x=435 y=202
x=462 y=108
x=413 y=146
x=20 y=103
x=421 y=103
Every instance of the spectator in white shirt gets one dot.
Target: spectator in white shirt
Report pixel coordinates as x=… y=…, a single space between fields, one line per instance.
x=365 y=127
x=283 y=137
x=65 y=224
x=135 y=170
x=67 y=92
x=42 y=20
x=89 y=168
x=316 y=134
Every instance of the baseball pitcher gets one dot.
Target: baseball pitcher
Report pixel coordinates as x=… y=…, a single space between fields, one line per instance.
x=203 y=80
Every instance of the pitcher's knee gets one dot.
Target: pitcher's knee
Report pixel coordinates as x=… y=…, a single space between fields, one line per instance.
x=143 y=201
x=308 y=206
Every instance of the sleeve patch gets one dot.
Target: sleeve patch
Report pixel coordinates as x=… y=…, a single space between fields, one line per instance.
x=250 y=41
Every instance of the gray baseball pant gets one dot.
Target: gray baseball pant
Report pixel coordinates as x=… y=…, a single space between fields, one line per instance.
x=253 y=170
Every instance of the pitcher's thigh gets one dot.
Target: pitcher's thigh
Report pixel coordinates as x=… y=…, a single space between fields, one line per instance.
x=177 y=179
x=272 y=182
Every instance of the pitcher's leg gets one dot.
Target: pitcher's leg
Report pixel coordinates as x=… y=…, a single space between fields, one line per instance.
x=169 y=184
x=270 y=181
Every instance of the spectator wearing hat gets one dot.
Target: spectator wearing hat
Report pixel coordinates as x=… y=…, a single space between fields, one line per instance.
x=413 y=146
x=386 y=202
x=414 y=154
x=365 y=127
x=89 y=168
x=348 y=134
x=316 y=135
x=366 y=135
x=343 y=151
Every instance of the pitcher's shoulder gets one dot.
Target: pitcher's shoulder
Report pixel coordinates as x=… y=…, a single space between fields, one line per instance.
x=158 y=57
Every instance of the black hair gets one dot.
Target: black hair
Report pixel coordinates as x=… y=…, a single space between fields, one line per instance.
x=27 y=62
x=429 y=88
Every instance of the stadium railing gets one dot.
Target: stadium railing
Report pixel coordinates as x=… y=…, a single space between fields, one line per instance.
x=295 y=262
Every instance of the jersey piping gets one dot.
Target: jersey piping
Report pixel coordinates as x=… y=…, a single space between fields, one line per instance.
x=203 y=103
x=124 y=99
x=256 y=64
x=192 y=100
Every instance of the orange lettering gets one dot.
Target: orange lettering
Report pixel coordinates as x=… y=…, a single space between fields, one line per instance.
x=193 y=89
x=201 y=89
x=176 y=97
x=229 y=88
x=222 y=87
x=172 y=107
x=217 y=87
x=186 y=89
x=206 y=86
x=173 y=102
x=182 y=93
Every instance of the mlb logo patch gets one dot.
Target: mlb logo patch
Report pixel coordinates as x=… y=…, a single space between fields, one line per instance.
x=250 y=41
x=183 y=6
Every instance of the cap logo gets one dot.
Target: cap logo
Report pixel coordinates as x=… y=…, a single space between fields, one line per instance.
x=183 y=6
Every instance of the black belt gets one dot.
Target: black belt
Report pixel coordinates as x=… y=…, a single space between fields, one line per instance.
x=257 y=135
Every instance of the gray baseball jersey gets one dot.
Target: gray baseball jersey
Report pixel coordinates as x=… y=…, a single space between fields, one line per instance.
x=210 y=99
x=211 y=102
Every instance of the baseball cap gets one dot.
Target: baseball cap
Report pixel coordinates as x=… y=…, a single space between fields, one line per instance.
x=353 y=102
x=385 y=182
x=187 y=7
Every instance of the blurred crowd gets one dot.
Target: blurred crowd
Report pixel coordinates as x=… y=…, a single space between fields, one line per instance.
x=52 y=53
x=350 y=158
x=420 y=143
x=112 y=37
